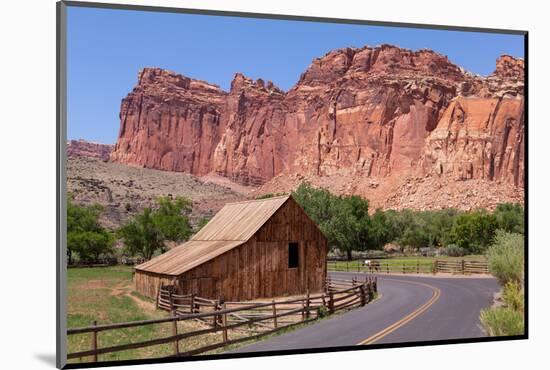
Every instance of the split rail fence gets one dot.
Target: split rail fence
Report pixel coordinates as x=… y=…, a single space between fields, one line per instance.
x=250 y=320
x=412 y=267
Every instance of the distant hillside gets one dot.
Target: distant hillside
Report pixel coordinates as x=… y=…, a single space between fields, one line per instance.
x=124 y=190
x=83 y=148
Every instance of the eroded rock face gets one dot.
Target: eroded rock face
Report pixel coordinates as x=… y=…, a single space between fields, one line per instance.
x=170 y=122
x=375 y=112
x=83 y=148
x=479 y=138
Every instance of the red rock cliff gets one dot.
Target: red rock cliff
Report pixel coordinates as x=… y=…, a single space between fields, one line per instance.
x=374 y=112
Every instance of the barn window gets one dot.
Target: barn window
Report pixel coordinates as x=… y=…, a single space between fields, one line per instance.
x=293 y=256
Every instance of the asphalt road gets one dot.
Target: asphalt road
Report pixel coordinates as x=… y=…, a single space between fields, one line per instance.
x=411 y=308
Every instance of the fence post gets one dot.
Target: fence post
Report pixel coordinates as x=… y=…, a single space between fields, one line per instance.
x=434 y=267
x=362 y=292
x=371 y=290
x=307 y=304
x=274 y=315
x=463 y=271
x=369 y=294
x=224 y=323
x=216 y=305
x=171 y=300
x=303 y=309
x=417 y=266
x=175 y=332
x=192 y=307
x=94 y=341
x=347 y=266
x=388 y=267
x=331 y=302
x=158 y=295
x=403 y=267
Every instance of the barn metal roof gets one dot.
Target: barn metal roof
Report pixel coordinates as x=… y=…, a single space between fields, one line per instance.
x=232 y=226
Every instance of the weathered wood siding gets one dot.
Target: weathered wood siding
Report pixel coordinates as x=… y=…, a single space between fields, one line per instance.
x=258 y=268
x=148 y=283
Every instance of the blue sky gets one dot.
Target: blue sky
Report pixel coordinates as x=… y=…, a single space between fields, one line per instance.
x=106 y=48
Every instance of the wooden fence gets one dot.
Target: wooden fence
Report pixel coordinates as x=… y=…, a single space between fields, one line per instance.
x=462 y=266
x=251 y=319
x=412 y=267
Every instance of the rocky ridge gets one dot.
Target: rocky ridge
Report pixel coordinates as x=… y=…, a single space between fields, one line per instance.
x=382 y=115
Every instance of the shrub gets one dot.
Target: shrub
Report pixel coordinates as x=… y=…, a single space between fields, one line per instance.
x=502 y=321
x=269 y=195
x=513 y=296
x=453 y=250
x=506 y=262
x=506 y=257
x=202 y=223
x=322 y=311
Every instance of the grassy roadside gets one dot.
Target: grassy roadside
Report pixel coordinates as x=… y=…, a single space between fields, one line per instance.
x=506 y=263
x=106 y=295
x=508 y=317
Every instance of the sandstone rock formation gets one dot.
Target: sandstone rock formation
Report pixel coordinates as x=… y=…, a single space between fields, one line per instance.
x=380 y=113
x=83 y=148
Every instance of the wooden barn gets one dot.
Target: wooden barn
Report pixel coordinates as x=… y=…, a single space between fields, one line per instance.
x=252 y=249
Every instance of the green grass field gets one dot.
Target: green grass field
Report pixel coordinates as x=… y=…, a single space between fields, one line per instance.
x=106 y=295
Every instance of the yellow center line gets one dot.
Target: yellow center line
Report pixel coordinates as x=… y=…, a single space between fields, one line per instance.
x=396 y=325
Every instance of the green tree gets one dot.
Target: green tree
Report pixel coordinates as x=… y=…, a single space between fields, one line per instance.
x=317 y=203
x=148 y=231
x=474 y=231
x=440 y=225
x=510 y=217
x=343 y=219
x=349 y=224
x=171 y=218
x=85 y=235
x=380 y=230
x=141 y=236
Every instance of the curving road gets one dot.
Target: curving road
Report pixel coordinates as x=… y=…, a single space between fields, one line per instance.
x=410 y=308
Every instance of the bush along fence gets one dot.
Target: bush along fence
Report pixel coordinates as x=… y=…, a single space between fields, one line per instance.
x=411 y=267
x=230 y=322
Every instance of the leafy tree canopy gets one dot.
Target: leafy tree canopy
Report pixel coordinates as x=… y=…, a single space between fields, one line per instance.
x=85 y=235
x=346 y=222
x=147 y=232
x=171 y=218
